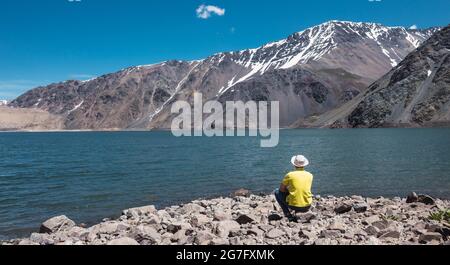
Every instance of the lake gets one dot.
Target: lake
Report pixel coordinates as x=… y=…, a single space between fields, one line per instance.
x=92 y=175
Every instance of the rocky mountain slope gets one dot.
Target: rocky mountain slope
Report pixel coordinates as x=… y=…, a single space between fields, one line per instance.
x=415 y=93
x=310 y=72
x=256 y=220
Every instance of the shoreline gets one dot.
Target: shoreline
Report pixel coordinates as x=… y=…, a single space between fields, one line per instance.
x=244 y=219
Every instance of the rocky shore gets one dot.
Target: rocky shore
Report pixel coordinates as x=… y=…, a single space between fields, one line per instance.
x=245 y=219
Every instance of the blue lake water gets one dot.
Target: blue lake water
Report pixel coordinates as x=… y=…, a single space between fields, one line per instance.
x=92 y=175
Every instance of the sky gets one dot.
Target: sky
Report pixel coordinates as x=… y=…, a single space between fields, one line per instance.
x=48 y=41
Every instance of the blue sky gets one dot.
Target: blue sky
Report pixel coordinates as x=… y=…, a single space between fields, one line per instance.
x=54 y=40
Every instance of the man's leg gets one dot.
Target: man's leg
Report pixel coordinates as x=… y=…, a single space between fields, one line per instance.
x=281 y=199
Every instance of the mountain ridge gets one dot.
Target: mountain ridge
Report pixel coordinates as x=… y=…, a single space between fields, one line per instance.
x=313 y=71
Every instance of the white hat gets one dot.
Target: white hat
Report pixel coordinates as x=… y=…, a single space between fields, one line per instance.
x=299 y=161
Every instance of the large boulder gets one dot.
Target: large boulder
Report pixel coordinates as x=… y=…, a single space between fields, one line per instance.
x=55 y=224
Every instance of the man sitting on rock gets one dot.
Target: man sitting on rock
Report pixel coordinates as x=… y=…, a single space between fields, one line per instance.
x=295 y=193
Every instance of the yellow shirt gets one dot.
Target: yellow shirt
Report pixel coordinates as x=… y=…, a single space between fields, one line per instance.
x=299 y=184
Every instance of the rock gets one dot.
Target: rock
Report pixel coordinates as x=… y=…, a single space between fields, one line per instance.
x=124 y=241
x=371 y=219
x=390 y=234
x=180 y=237
x=245 y=219
x=221 y=216
x=330 y=234
x=275 y=233
x=372 y=230
x=241 y=193
x=203 y=238
x=146 y=233
x=360 y=207
x=41 y=239
x=220 y=242
x=139 y=211
x=412 y=197
x=373 y=241
x=27 y=242
x=173 y=228
x=339 y=226
x=105 y=228
x=428 y=200
x=343 y=208
x=429 y=237
x=78 y=232
x=305 y=217
x=381 y=225
x=191 y=208
x=224 y=228
x=255 y=231
x=274 y=217
x=199 y=220
x=56 y=224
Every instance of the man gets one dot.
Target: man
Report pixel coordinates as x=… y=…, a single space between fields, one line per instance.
x=295 y=190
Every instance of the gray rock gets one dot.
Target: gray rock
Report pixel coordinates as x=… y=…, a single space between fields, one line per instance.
x=203 y=238
x=330 y=234
x=221 y=216
x=241 y=193
x=429 y=237
x=372 y=230
x=371 y=219
x=191 y=208
x=275 y=233
x=343 y=208
x=305 y=217
x=390 y=234
x=224 y=228
x=220 y=242
x=412 y=197
x=124 y=241
x=41 y=239
x=55 y=224
x=139 y=211
x=428 y=200
x=105 y=228
x=146 y=233
x=360 y=207
x=245 y=219
x=381 y=225
x=199 y=220
x=274 y=217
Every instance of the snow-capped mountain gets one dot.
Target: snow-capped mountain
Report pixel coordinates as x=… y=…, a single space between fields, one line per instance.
x=310 y=72
x=3 y=102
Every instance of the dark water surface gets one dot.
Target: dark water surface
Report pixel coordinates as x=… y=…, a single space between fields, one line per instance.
x=91 y=175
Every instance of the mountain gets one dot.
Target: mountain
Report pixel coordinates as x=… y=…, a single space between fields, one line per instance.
x=415 y=93
x=3 y=102
x=310 y=73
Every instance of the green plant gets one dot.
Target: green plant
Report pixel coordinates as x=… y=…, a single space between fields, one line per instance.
x=442 y=215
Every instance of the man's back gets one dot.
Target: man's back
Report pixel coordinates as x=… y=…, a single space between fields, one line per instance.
x=299 y=184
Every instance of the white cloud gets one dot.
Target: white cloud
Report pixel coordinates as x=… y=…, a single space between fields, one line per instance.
x=413 y=27
x=205 y=12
